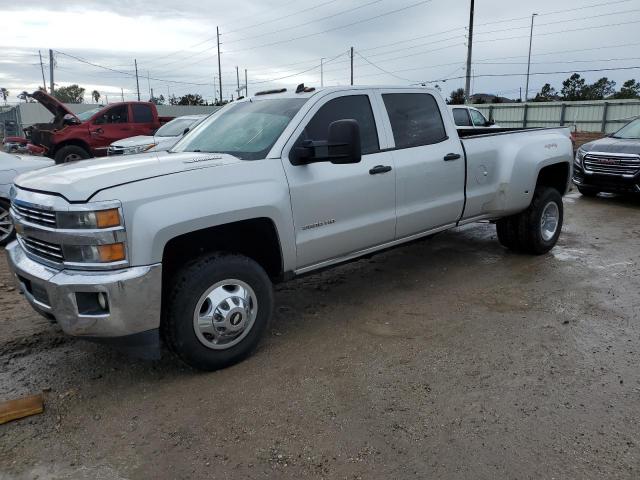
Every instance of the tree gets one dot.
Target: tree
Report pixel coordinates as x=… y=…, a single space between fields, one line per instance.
x=457 y=97
x=71 y=94
x=191 y=99
x=157 y=100
x=546 y=94
x=630 y=89
x=96 y=96
x=173 y=100
x=5 y=94
x=574 y=88
x=600 y=89
x=24 y=96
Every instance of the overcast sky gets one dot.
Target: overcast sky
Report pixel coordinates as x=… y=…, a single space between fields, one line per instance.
x=281 y=42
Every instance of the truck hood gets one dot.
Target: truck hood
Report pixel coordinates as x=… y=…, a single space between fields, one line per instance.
x=613 y=145
x=23 y=163
x=78 y=181
x=56 y=107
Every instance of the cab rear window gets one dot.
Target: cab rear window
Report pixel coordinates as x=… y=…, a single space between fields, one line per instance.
x=415 y=119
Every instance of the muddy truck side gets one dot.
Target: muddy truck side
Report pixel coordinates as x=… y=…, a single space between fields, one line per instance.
x=69 y=137
x=182 y=248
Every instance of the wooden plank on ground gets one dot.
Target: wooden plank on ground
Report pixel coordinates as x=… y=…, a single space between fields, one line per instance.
x=21 y=407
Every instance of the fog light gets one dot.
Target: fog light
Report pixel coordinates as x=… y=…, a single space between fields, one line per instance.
x=102 y=301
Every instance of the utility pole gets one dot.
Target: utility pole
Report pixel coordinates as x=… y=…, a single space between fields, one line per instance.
x=246 y=84
x=51 y=71
x=351 y=55
x=238 y=80
x=44 y=83
x=526 y=89
x=135 y=62
x=149 y=85
x=322 y=72
x=122 y=94
x=219 y=65
x=467 y=88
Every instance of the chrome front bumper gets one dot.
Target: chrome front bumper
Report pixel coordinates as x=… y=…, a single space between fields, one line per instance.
x=134 y=296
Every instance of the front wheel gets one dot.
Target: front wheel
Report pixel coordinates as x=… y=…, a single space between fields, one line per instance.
x=537 y=229
x=71 y=153
x=7 y=230
x=217 y=310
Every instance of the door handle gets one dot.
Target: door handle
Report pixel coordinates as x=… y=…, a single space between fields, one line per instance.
x=451 y=156
x=98 y=131
x=379 y=169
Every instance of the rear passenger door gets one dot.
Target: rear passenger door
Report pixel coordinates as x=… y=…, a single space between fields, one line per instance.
x=339 y=210
x=429 y=162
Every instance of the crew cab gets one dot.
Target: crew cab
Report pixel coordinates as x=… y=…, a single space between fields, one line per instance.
x=70 y=137
x=184 y=246
x=465 y=116
x=610 y=164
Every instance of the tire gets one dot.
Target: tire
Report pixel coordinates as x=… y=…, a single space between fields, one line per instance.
x=71 y=153
x=588 y=192
x=537 y=229
x=217 y=293
x=7 y=230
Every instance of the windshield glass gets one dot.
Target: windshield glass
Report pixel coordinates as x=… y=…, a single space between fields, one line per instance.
x=246 y=130
x=84 y=116
x=630 y=130
x=175 y=127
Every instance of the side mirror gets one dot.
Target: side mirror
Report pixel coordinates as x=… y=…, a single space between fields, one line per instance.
x=69 y=119
x=490 y=123
x=185 y=131
x=342 y=146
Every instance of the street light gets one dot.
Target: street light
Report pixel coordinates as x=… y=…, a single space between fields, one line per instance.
x=526 y=91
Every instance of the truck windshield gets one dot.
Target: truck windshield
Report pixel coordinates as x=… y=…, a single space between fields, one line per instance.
x=629 y=131
x=84 y=116
x=246 y=130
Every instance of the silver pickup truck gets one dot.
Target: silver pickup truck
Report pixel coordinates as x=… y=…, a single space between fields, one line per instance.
x=183 y=247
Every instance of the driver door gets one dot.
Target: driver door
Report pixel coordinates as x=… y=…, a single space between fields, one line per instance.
x=109 y=127
x=340 y=210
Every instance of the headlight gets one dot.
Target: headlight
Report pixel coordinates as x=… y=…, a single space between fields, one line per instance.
x=90 y=219
x=138 y=149
x=114 y=252
x=580 y=156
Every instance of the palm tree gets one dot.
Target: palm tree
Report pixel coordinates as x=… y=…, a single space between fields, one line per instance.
x=95 y=95
x=5 y=94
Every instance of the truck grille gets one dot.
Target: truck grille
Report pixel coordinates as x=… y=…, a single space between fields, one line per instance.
x=40 y=248
x=36 y=215
x=612 y=164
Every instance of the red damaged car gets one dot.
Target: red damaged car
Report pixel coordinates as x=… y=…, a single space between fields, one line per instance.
x=69 y=137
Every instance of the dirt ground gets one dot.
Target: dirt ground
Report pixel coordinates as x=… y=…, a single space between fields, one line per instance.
x=448 y=358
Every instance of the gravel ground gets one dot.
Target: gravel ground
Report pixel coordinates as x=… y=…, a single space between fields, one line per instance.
x=448 y=358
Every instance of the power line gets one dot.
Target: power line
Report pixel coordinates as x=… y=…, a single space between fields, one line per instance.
x=382 y=69
x=306 y=23
x=364 y=20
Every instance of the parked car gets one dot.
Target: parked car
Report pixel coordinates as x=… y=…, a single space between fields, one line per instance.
x=611 y=164
x=162 y=140
x=10 y=167
x=469 y=117
x=69 y=137
x=185 y=245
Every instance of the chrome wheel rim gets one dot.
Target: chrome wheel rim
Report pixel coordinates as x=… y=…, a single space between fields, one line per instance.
x=225 y=314
x=550 y=220
x=6 y=224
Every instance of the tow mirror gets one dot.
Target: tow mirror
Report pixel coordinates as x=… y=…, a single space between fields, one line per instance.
x=341 y=147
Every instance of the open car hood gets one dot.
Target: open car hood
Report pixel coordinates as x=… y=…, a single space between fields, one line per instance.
x=56 y=107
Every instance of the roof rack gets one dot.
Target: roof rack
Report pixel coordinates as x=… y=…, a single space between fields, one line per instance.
x=269 y=92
